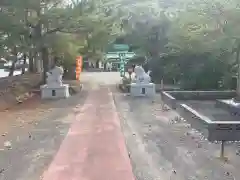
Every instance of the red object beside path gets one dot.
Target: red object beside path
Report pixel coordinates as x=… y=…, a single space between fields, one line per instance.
x=78 y=67
x=94 y=148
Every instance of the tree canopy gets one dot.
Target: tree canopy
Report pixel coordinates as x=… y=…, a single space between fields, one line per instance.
x=195 y=43
x=41 y=29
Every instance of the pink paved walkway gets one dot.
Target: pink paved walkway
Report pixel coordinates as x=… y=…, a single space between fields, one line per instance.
x=94 y=148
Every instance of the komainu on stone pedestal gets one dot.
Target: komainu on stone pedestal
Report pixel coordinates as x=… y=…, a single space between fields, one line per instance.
x=141 y=85
x=55 y=89
x=141 y=76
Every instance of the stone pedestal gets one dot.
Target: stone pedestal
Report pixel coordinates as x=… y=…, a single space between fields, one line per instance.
x=142 y=89
x=55 y=92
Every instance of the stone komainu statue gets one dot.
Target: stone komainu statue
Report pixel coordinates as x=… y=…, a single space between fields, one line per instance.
x=54 y=77
x=141 y=75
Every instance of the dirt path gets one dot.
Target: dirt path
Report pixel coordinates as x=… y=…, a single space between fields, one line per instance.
x=162 y=148
x=94 y=148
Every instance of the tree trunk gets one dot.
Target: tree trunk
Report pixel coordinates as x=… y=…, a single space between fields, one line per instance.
x=31 y=63
x=24 y=63
x=44 y=51
x=12 y=68
x=238 y=72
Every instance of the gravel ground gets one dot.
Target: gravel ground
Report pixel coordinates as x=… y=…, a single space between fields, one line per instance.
x=160 y=146
x=164 y=148
x=35 y=136
x=36 y=128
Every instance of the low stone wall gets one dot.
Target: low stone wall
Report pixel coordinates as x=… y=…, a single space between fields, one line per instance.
x=166 y=87
x=16 y=89
x=169 y=100
x=197 y=121
x=233 y=109
x=212 y=130
x=202 y=95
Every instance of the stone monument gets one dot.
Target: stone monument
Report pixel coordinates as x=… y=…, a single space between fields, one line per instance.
x=55 y=89
x=141 y=85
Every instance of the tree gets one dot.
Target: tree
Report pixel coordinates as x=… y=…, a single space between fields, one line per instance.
x=39 y=21
x=196 y=33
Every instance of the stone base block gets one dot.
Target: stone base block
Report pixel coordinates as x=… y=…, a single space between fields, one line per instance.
x=57 y=92
x=139 y=90
x=229 y=105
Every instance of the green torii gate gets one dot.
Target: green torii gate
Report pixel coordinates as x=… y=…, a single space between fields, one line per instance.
x=120 y=53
